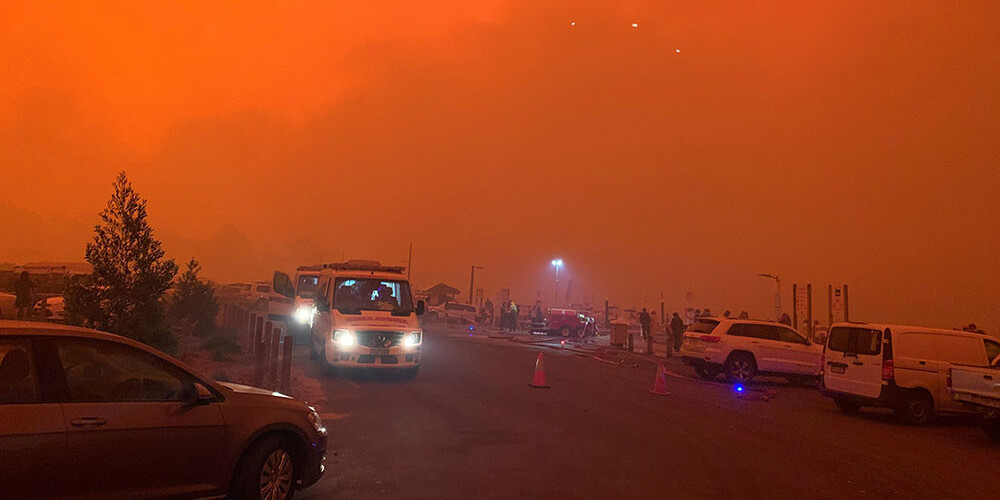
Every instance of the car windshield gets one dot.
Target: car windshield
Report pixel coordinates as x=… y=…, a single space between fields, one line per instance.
x=353 y=295
x=306 y=287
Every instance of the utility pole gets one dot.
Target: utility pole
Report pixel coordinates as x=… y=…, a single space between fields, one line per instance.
x=777 y=296
x=409 y=262
x=472 y=279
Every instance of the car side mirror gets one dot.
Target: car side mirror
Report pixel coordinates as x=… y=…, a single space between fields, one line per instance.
x=200 y=395
x=421 y=308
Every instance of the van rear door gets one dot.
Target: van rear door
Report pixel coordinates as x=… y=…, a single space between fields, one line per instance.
x=854 y=361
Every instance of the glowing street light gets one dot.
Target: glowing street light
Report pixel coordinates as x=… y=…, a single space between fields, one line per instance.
x=557 y=263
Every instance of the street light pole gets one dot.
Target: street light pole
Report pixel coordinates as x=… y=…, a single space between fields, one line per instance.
x=777 y=296
x=472 y=280
x=557 y=263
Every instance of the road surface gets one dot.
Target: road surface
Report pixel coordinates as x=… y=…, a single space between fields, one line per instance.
x=468 y=426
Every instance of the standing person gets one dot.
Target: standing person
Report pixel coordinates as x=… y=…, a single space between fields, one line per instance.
x=512 y=316
x=488 y=312
x=644 y=323
x=503 y=315
x=24 y=291
x=785 y=319
x=677 y=329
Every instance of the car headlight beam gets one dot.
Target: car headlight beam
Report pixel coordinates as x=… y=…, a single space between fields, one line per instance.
x=345 y=338
x=411 y=339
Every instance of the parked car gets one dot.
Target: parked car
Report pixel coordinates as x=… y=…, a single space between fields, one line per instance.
x=743 y=349
x=275 y=298
x=978 y=389
x=897 y=366
x=7 y=301
x=453 y=312
x=85 y=413
x=51 y=308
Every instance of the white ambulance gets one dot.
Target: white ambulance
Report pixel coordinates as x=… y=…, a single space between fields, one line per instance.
x=365 y=319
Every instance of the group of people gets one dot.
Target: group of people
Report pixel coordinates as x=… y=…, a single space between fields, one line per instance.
x=675 y=327
x=508 y=316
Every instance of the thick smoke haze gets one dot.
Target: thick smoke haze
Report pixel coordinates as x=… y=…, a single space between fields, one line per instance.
x=828 y=143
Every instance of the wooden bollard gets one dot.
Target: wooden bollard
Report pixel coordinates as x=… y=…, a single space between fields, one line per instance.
x=251 y=328
x=631 y=342
x=272 y=368
x=286 y=363
x=258 y=364
x=268 y=333
x=258 y=335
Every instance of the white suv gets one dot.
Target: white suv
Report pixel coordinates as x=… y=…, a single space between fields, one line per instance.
x=743 y=349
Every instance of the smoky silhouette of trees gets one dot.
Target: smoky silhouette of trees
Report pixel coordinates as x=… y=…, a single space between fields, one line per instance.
x=130 y=275
x=193 y=304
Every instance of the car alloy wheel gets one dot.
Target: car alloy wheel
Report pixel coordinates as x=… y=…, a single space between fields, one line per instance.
x=741 y=368
x=276 y=476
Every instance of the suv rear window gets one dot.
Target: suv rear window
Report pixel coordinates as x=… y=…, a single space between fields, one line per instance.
x=703 y=326
x=855 y=340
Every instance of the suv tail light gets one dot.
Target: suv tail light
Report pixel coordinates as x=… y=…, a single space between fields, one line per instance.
x=887 y=370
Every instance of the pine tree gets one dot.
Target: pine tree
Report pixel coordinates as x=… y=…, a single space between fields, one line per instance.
x=129 y=277
x=194 y=301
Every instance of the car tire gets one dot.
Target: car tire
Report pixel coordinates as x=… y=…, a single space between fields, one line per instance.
x=706 y=372
x=847 y=405
x=271 y=460
x=741 y=368
x=565 y=331
x=991 y=426
x=916 y=408
x=324 y=367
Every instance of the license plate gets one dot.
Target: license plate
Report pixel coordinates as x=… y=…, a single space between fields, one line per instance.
x=837 y=368
x=379 y=351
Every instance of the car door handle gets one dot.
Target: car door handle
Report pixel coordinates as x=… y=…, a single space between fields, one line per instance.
x=87 y=421
x=923 y=362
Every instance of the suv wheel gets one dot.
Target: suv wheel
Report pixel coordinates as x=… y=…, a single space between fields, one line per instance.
x=991 y=426
x=706 y=372
x=741 y=367
x=847 y=405
x=267 y=471
x=916 y=408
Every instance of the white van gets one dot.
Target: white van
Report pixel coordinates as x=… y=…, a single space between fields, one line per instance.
x=365 y=318
x=306 y=282
x=896 y=366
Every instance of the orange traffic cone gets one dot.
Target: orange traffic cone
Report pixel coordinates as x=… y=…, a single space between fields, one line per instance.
x=660 y=383
x=538 y=380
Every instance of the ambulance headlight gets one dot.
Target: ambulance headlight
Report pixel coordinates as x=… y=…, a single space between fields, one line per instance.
x=345 y=338
x=411 y=339
x=303 y=314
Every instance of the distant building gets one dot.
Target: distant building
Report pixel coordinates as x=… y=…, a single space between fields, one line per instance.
x=440 y=293
x=49 y=277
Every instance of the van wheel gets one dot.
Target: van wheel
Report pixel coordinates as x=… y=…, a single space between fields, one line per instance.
x=991 y=426
x=267 y=470
x=564 y=331
x=741 y=367
x=847 y=405
x=917 y=408
x=706 y=373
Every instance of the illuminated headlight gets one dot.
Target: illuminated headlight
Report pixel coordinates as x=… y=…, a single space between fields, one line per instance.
x=303 y=314
x=345 y=338
x=316 y=421
x=411 y=339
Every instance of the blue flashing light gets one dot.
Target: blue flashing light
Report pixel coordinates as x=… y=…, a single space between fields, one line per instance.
x=738 y=388
x=472 y=327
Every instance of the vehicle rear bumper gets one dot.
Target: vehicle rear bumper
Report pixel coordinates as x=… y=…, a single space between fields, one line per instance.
x=887 y=397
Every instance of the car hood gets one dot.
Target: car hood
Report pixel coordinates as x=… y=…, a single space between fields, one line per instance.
x=246 y=389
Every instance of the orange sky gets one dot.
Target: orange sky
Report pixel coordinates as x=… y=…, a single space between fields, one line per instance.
x=828 y=142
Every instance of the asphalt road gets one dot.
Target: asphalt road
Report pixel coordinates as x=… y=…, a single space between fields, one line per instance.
x=468 y=426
